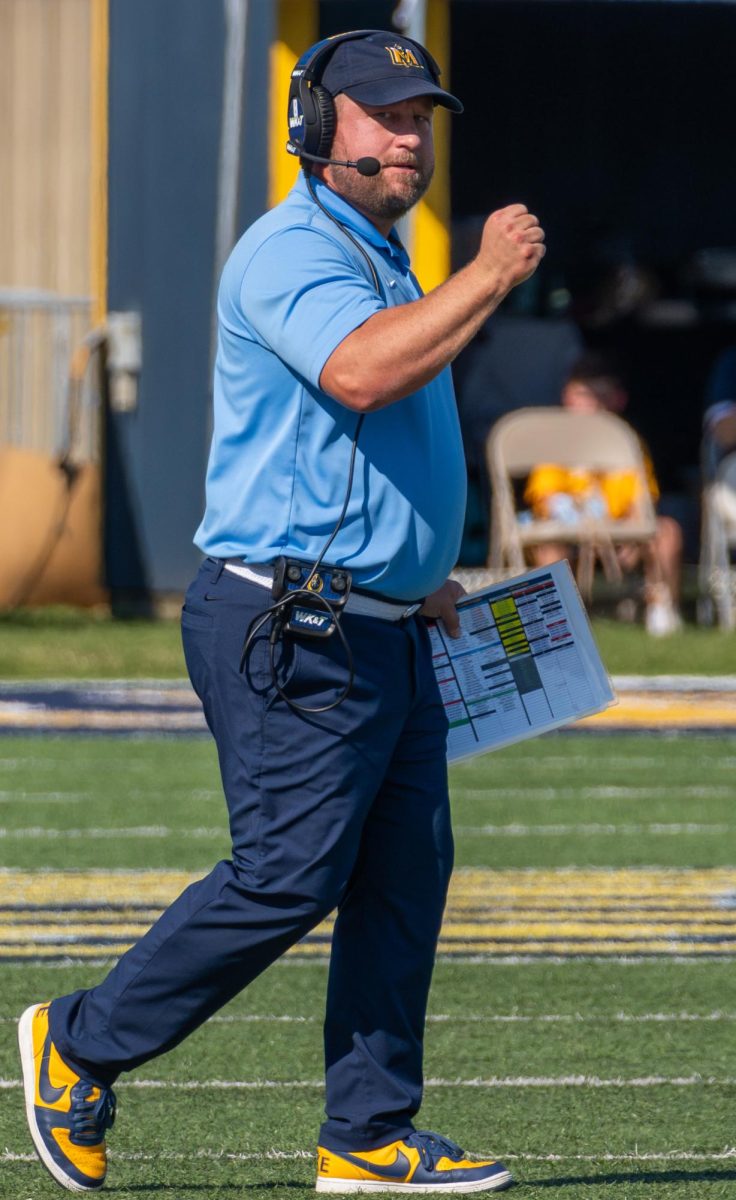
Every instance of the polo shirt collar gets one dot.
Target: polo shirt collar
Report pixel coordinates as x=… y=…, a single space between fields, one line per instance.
x=354 y=220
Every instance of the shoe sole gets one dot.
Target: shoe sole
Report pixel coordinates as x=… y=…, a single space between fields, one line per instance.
x=28 y=1063
x=343 y=1186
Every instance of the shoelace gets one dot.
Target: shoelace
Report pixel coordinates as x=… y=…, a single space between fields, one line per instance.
x=431 y=1146
x=90 y=1118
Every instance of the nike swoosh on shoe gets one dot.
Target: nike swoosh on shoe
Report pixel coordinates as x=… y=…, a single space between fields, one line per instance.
x=48 y=1092
x=398 y=1169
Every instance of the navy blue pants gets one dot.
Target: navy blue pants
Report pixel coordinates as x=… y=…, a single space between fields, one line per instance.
x=346 y=809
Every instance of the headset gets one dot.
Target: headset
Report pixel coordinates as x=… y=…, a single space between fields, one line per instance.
x=311 y=112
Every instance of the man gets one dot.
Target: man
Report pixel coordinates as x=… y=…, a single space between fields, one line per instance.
x=336 y=469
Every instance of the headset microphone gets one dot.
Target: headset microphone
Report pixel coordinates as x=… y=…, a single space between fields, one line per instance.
x=364 y=166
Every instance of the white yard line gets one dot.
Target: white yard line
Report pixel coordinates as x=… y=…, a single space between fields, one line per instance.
x=574 y=791
x=590 y=830
x=674 y=683
x=173 y=1156
x=297 y=963
x=544 y=761
x=659 y=1156
x=496 y=1081
x=562 y=762
x=584 y=1081
x=8 y=1156
x=99 y=832
x=7 y=797
x=504 y=1018
x=581 y=1018
x=34 y=832
x=559 y=960
x=660 y=1018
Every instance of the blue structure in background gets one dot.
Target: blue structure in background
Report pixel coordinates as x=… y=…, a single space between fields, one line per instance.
x=167 y=66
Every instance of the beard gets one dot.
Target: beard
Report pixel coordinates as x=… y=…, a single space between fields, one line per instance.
x=381 y=196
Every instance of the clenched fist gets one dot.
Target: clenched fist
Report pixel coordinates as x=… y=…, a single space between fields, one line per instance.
x=512 y=245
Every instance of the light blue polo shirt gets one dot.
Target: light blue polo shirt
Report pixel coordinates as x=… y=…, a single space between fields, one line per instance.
x=293 y=288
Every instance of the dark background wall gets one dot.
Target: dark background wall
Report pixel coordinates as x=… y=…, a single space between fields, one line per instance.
x=616 y=119
x=614 y=122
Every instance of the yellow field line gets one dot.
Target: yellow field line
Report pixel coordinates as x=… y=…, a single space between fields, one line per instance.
x=640 y=709
x=554 y=949
x=492 y=932
x=159 y=888
x=681 y=710
x=58 y=913
x=121 y=718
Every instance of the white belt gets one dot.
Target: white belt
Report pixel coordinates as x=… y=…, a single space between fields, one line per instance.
x=357 y=603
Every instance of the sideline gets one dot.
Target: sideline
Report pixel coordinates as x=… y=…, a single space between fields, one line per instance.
x=154 y=707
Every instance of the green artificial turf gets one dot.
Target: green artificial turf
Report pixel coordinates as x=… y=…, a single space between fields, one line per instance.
x=199 y=1140
x=65 y=643
x=59 y=643
x=592 y=1078
x=560 y=800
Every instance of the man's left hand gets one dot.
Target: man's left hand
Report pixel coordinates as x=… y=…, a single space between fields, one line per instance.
x=441 y=604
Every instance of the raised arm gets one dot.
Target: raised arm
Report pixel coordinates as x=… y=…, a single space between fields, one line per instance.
x=398 y=350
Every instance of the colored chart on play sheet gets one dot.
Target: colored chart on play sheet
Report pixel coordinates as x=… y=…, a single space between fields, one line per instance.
x=525 y=662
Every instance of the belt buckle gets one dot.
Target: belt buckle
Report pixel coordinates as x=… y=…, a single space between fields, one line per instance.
x=411 y=610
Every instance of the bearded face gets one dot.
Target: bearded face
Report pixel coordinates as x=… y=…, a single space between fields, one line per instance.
x=400 y=137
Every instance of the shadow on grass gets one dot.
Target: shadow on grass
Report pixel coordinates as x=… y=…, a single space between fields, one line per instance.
x=650 y=1177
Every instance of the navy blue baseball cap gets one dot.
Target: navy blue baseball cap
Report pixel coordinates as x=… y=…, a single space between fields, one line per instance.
x=383 y=68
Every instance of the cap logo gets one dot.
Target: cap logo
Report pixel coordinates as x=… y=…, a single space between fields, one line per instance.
x=402 y=56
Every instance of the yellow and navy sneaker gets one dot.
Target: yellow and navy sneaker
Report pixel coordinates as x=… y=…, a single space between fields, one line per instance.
x=67 y=1115
x=421 y=1162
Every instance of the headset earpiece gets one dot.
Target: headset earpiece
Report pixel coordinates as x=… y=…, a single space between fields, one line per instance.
x=325 y=106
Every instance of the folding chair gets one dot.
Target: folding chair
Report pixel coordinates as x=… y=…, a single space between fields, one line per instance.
x=594 y=441
x=717 y=568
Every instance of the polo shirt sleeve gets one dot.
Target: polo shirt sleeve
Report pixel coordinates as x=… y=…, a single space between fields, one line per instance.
x=303 y=293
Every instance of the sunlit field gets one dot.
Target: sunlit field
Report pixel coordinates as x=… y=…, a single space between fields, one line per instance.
x=582 y=1023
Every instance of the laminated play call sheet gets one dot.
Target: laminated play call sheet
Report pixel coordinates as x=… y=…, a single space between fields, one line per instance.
x=525 y=662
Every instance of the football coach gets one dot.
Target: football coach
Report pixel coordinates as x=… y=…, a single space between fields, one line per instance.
x=334 y=509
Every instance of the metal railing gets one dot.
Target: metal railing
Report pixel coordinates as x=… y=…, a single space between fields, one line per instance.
x=39 y=332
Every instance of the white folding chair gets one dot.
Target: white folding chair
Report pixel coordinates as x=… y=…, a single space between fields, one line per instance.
x=595 y=441
x=717 y=567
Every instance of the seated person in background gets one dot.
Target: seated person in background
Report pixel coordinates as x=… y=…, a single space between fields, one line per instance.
x=559 y=493
x=719 y=435
x=719 y=418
